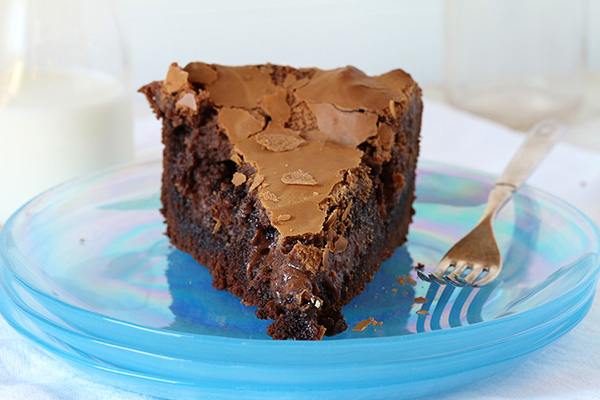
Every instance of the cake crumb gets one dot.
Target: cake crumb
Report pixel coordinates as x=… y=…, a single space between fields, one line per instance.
x=218 y=224
x=400 y=281
x=340 y=245
x=331 y=219
x=238 y=179
x=410 y=280
x=176 y=79
x=201 y=73
x=346 y=212
x=405 y=293
x=398 y=180
x=279 y=142
x=82 y=240
x=235 y=157
x=284 y=217
x=421 y=300
x=393 y=109
x=298 y=177
x=258 y=179
x=316 y=301
x=394 y=290
x=268 y=195
x=362 y=325
x=326 y=257
x=188 y=100
x=423 y=312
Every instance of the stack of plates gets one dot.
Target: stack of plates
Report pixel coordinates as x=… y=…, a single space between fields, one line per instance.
x=88 y=274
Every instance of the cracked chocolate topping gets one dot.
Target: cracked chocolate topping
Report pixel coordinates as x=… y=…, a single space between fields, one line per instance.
x=300 y=130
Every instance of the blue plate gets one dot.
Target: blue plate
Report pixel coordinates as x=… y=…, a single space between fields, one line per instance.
x=88 y=274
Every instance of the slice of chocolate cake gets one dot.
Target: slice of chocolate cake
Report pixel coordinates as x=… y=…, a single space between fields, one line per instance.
x=290 y=185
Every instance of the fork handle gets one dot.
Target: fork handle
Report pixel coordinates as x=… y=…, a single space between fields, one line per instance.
x=538 y=143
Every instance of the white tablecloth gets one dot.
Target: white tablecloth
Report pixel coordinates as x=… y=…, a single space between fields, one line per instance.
x=567 y=369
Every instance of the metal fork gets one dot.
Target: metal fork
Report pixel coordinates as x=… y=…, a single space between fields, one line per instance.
x=477 y=254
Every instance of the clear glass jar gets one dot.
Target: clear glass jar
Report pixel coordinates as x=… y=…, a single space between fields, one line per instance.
x=65 y=98
x=515 y=61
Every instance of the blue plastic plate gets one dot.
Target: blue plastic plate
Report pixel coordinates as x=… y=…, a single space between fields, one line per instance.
x=88 y=274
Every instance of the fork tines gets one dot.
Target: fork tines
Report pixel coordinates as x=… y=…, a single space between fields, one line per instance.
x=455 y=280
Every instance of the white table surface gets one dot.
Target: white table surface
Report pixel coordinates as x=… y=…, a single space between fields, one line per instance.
x=567 y=369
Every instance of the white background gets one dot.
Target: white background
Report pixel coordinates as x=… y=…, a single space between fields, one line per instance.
x=375 y=35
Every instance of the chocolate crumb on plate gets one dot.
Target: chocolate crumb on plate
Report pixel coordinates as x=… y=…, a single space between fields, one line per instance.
x=362 y=325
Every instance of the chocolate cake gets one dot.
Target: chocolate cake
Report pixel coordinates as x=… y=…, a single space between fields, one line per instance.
x=290 y=185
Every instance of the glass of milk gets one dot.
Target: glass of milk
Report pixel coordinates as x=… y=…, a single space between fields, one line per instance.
x=65 y=98
x=515 y=61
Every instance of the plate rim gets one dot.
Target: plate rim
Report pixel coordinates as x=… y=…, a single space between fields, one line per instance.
x=216 y=339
